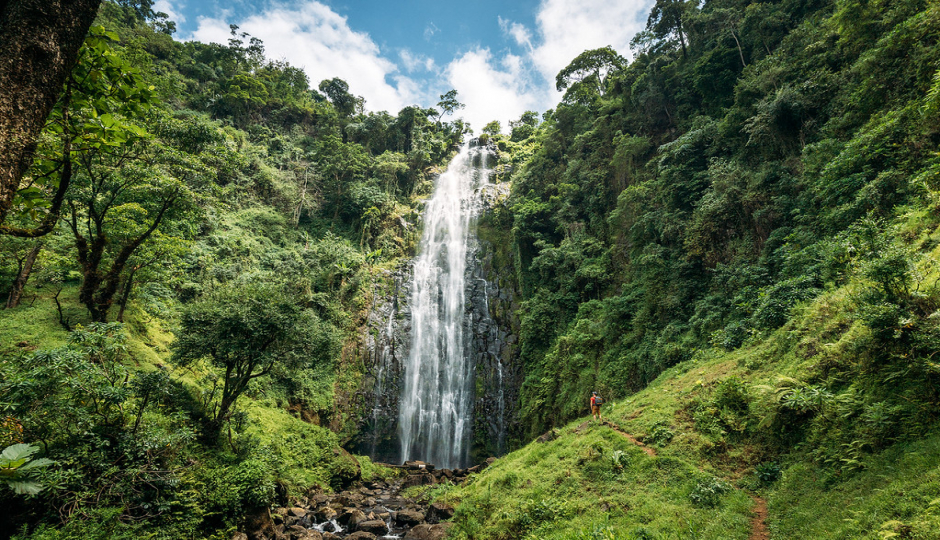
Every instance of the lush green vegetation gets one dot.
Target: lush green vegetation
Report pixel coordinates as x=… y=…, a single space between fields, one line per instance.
x=175 y=344
x=732 y=236
x=740 y=225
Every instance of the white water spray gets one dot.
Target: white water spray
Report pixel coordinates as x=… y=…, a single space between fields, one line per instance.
x=437 y=397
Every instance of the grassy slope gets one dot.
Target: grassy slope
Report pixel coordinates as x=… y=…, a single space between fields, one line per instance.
x=303 y=452
x=895 y=493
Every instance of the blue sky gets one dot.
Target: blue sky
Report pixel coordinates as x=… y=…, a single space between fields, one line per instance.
x=500 y=56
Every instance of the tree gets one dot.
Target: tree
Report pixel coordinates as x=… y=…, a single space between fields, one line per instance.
x=101 y=92
x=524 y=127
x=586 y=76
x=39 y=44
x=667 y=18
x=449 y=104
x=249 y=331
x=337 y=90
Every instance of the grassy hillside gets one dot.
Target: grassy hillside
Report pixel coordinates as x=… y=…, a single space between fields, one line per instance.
x=808 y=417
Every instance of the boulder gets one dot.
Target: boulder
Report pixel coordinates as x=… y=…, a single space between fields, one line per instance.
x=548 y=436
x=296 y=512
x=351 y=517
x=439 y=512
x=360 y=535
x=296 y=532
x=429 y=532
x=417 y=480
x=325 y=514
x=329 y=536
x=375 y=527
x=408 y=517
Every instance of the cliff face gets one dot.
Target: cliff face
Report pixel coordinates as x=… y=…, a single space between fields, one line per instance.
x=491 y=333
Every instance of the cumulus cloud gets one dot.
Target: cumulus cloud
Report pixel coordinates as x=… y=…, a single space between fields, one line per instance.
x=502 y=86
x=516 y=31
x=416 y=62
x=318 y=40
x=172 y=9
x=492 y=88
x=569 y=28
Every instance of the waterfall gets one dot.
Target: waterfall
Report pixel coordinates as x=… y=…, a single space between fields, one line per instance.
x=436 y=407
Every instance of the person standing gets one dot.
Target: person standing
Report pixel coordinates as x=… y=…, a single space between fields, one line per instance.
x=596 y=402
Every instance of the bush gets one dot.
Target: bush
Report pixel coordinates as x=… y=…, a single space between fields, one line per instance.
x=707 y=493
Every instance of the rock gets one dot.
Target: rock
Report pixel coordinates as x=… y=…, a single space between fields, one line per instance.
x=408 y=517
x=351 y=517
x=318 y=499
x=384 y=516
x=361 y=535
x=548 y=436
x=297 y=512
x=329 y=536
x=325 y=514
x=297 y=532
x=417 y=480
x=429 y=532
x=240 y=536
x=368 y=501
x=439 y=512
x=375 y=527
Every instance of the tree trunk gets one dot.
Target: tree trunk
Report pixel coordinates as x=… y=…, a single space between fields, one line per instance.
x=39 y=44
x=126 y=293
x=20 y=283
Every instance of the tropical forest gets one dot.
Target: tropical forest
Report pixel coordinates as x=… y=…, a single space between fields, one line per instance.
x=698 y=297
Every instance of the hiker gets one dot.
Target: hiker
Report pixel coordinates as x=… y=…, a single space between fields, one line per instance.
x=596 y=402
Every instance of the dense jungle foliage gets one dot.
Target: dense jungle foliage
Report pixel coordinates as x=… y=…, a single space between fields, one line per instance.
x=733 y=236
x=212 y=194
x=740 y=224
x=751 y=157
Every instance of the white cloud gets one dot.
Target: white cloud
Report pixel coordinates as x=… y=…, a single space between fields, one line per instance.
x=569 y=28
x=517 y=31
x=172 y=9
x=416 y=62
x=314 y=37
x=503 y=86
x=491 y=88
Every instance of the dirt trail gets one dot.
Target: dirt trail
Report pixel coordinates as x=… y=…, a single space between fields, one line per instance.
x=758 y=522
x=649 y=451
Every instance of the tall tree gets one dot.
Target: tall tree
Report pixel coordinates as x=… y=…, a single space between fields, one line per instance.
x=39 y=44
x=248 y=330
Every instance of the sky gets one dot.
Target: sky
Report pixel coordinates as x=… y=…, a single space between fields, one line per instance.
x=500 y=56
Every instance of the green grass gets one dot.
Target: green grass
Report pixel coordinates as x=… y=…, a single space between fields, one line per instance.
x=571 y=486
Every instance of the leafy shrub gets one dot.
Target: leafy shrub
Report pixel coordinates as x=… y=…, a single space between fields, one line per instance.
x=620 y=460
x=707 y=493
x=660 y=434
x=767 y=473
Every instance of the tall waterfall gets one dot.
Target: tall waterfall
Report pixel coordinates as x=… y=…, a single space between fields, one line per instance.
x=436 y=408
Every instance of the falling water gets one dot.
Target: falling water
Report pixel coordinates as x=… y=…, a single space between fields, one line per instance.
x=437 y=397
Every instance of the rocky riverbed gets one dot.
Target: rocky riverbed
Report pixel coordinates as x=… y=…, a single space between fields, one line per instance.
x=365 y=511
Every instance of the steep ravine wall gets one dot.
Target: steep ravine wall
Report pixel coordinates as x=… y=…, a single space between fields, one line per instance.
x=492 y=330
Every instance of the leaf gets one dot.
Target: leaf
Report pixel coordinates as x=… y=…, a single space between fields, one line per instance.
x=25 y=487
x=41 y=462
x=18 y=451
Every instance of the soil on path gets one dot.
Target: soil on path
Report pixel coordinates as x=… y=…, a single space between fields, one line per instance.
x=758 y=522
